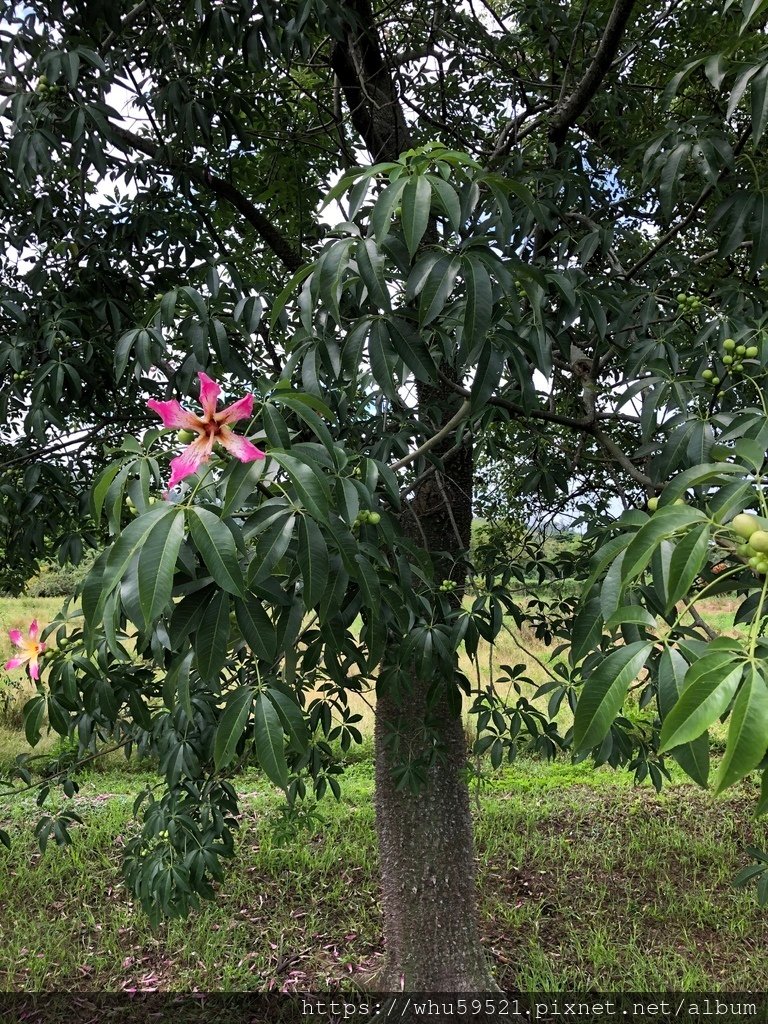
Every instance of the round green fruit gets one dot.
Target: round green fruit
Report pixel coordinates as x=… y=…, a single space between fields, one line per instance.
x=745 y=525
x=752 y=352
x=374 y=518
x=740 y=350
x=729 y=345
x=682 y=298
x=679 y=501
x=653 y=504
x=762 y=567
x=758 y=541
x=738 y=367
x=715 y=382
x=727 y=360
x=707 y=374
x=744 y=550
x=186 y=436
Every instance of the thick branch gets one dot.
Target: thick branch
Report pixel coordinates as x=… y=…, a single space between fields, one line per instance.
x=569 y=110
x=223 y=189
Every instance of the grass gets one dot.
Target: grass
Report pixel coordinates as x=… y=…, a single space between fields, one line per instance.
x=585 y=883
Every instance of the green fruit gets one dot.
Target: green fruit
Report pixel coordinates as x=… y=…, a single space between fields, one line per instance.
x=758 y=541
x=727 y=360
x=679 y=501
x=762 y=567
x=729 y=345
x=186 y=436
x=682 y=298
x=707 y=374
x=752 y=352
x=653 y=504
x=740 y=350
x=374 y=518
x=738 y=367
x=754 y=562
x=715 y=382
x=744 y=550
x=745 y=525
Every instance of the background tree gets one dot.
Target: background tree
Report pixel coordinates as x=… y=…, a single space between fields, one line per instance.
x=552 y=216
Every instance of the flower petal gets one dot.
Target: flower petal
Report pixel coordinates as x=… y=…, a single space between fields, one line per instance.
x=190 y=459
x=34 y=669
x=33 y=629
x=240 y=410
x=239 y=446
x=209 y=395
x=173 y=416
x=14 y=663
x=16 y=638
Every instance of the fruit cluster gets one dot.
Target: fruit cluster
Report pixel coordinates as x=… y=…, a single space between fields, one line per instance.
x=753 y=531
x=364 y=516
x=653 y=503
x=688 y=303
x=448 y=586
x=732 y=357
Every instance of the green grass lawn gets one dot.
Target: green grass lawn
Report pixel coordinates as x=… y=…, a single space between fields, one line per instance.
x=585 y=882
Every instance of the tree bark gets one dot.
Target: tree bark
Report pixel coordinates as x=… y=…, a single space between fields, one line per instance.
x=425 y=839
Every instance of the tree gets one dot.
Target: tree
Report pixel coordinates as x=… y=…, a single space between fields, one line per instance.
x=551 y=219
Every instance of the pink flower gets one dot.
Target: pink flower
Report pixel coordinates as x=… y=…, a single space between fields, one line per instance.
x=211 y=427
x=30 y=648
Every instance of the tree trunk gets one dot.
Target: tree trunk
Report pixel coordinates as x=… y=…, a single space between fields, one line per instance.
x=425 y=840
x=427 y=861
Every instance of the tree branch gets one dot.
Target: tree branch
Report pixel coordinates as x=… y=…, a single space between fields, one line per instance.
x=569 y=110
x=223 y=189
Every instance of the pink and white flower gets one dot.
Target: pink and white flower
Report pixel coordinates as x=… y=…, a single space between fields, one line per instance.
x=30 y=648
x=212 y=428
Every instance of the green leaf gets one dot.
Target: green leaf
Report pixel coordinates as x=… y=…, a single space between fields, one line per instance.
x=747 y=731
x=490 y=367
x=330 y=274
x=479 y=307
x=686 y=563
x=631 y=614
x=587 y=630
x=256 y=626
x=232 y=725
x=312 y=556
x=157 y=563
x=129 y=544
x=176 y=684
x=604 y=693
x=759 y=98
x=437 y=287
x=447 y=198
x=311 y=490
x=242 y=480
x=417 y=199
x=292 y=717
x=34 y=713
x=381 y=218
x=268 y=741
x=692 y=757
x=709 y=688
x=663 y=523
x=279 y=304
x=271 y=547
x=410 y=346
x=370 y=264
x=212 y=639
x=214 y=540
